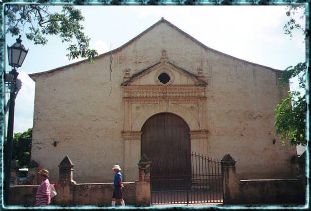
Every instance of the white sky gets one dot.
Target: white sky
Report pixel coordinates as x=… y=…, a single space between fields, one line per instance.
x=252 y=33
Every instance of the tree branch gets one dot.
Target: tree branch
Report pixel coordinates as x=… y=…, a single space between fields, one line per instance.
x=39 y=13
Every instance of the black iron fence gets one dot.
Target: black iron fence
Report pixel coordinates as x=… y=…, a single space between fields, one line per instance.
x=203 y=184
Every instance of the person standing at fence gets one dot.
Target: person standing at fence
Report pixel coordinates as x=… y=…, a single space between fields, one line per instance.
x=43 y=196
x=117 y=183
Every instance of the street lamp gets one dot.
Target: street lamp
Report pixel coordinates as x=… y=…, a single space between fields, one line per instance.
x=16 y=55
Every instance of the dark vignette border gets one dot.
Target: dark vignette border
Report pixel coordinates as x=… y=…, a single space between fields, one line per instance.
x=145 y=2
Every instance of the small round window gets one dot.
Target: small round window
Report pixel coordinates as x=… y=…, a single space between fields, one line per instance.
x=164 y=78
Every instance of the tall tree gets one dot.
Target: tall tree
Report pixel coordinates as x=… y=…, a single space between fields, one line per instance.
x=290 y=113
x=22 y=147
x=38 y=21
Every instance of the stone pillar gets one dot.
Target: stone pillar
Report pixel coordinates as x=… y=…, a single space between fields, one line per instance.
x=66 y=183
x=230 y=180
x=66 y=171
x=131 y=154
x=143 y=190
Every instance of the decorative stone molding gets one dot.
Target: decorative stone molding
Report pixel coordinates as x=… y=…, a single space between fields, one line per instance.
x=127 y=74
x=198 y=134
x=227 y=160
x=66 y=171
x=164 y=93
x=131 y=135
x=164 y=56
x=165 y=64
x=144 y=168
x=199 y=72
x=174 y=93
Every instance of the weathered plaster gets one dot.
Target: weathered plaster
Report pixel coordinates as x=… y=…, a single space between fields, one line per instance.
x=87 y=111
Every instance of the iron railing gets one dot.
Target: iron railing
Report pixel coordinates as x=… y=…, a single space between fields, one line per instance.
x=203 y=185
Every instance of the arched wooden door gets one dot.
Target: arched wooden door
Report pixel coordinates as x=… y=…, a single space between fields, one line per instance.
x=166 y=142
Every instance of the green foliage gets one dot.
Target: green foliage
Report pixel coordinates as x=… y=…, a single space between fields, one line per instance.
x=290 y=113
x=293 y=23
x=22 y=148
x=38 y=22
x=297 y=71
x=290 y=121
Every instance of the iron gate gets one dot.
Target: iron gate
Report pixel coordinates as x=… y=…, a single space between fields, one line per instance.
x=204 y=185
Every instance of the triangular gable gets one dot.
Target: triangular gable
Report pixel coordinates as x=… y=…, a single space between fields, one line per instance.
x=34 y=76
x=179 y=76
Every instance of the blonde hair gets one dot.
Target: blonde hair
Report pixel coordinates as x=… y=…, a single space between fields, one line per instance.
x=44 y=172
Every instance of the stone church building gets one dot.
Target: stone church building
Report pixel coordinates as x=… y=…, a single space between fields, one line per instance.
x=163 y=94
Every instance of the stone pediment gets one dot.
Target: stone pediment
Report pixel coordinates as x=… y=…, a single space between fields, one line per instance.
x=164 y=86
x=164 y=73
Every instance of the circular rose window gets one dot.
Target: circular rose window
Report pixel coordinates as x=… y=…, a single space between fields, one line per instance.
x=164 y=78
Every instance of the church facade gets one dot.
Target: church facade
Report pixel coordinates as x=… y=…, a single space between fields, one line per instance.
x=163 y=94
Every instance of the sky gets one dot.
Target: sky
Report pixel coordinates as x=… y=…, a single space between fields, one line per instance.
x=251 y=33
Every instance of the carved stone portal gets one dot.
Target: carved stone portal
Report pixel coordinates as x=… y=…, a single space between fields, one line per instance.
x=143 y=97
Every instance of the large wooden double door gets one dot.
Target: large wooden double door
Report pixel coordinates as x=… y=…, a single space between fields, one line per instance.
x=166 y=142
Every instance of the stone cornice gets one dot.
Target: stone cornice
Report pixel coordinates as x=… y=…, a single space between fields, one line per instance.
x=158 y=92
x=131 y=135
x=136 y=135
x=198 y=134
x=146 y=100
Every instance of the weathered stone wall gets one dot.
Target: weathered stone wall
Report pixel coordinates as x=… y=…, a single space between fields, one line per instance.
x=260 y=191
x=23 y=195
x=70 y=193
x=101 y=194
x=79 y=110
x=272 y=191
x=97 y=194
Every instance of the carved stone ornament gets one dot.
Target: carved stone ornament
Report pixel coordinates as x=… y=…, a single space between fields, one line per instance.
x=144 y=162
x=227 y=160
x=66 y=163
x=198 y=134
x=164 y=56
x=131 y=135
x=199 y=71
x=127 y=74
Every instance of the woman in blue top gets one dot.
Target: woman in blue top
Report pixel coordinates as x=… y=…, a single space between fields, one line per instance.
x=117 y=183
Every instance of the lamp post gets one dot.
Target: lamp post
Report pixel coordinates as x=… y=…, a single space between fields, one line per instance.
x=16 y=56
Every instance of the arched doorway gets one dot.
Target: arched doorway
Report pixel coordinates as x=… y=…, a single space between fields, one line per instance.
x=166 y=142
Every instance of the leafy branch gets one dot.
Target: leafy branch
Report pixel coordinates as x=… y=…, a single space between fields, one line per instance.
x=290 y=113
x=38 y=22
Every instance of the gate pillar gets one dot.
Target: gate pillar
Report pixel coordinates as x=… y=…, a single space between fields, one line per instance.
x=132 y=148
x=66 y=182
x=230 y=180
x=143 y=190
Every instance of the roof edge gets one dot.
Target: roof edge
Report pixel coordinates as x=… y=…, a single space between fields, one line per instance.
x=148 y=69
x=101 y=55
x=162 y=20
x=215 y=51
